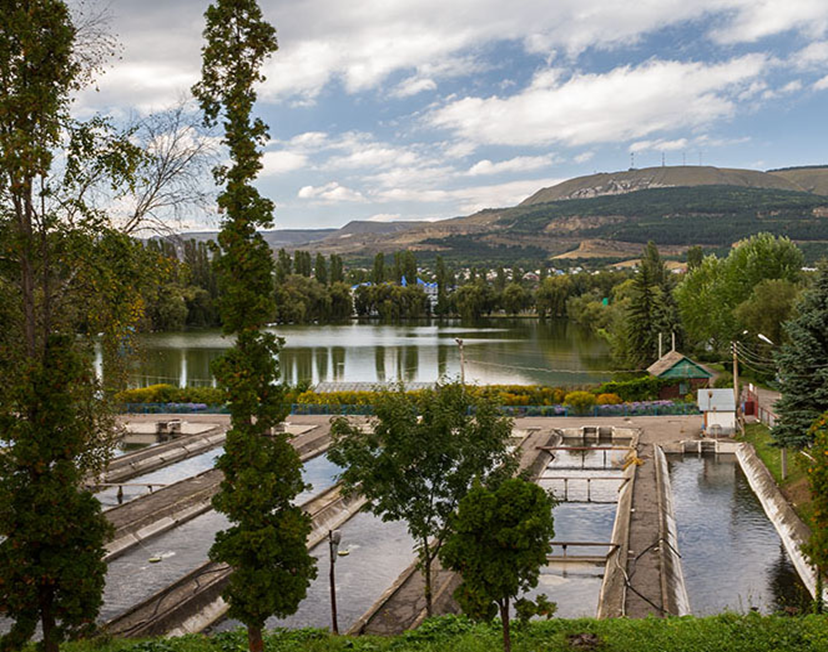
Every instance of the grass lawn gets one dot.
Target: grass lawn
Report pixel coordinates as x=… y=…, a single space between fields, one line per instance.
x=722 y=633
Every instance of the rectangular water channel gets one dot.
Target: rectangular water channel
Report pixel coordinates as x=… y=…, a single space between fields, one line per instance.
x=136 y=487
x=586 y=483
x=132 y=578
x=378 y=552
x=731 y=555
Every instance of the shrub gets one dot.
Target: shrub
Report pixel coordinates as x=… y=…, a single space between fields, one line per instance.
x=579 y=401
x=608 y=399
x=645 y=388
x=170 y=394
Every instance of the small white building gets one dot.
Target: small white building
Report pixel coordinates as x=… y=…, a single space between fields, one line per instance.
x=719 y=408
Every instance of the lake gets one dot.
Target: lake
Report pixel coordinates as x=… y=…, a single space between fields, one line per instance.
x=511 y=351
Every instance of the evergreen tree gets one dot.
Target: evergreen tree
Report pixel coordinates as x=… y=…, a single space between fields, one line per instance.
x=397 y=271
x=266 y=545
x=803 y=365
x=321 y=269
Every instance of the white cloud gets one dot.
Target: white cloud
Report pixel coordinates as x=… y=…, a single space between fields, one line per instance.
x=384 y=217
x=473 y=198
x=281 y=162
x=584 y=157
x=517 y=164
x=815 y=55
x=752 y=20
x=330 y=193
x=625 y=103
x=822 y=84
x=413 y=86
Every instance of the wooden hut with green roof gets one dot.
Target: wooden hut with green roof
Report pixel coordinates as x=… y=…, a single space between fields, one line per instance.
x=685 y=374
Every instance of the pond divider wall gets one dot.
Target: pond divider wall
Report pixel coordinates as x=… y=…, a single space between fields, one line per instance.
x=182 y=501
x=793 y=532
x=673 y=589
x=614 y=586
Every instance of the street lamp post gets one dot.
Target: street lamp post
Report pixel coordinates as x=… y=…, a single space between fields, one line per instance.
x=334 y=537
x=462 y=361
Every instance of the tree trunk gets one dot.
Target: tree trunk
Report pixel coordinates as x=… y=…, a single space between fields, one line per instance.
x=427 y=578
x=504 y=617
x=47 y=619
x=254 y=639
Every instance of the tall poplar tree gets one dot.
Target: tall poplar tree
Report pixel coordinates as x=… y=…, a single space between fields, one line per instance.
x=266 y=544
x=61 y=272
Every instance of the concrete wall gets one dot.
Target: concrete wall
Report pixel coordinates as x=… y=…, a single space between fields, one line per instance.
x=793 y=532
x=673 y=589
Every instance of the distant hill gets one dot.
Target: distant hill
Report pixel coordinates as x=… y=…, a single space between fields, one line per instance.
x=810 y=179
x=605 y=216
x=616 y=183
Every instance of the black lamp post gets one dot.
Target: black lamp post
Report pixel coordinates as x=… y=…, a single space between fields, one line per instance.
x=334 y=537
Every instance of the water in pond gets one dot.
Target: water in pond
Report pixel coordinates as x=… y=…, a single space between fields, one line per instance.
x=162 y=477
x=575 y=587
x=378 y=552
x=522 y=351
x=132 y=578
x=731 y=556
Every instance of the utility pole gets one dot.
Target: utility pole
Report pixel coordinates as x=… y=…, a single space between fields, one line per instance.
x=736 y=385
x=334 y=537
x=462 y=361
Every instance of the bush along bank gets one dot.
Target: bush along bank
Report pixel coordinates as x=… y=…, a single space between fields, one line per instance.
x=626 y=398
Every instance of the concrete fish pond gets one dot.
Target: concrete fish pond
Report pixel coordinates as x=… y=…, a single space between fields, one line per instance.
x=637 y=532
x=731 y=554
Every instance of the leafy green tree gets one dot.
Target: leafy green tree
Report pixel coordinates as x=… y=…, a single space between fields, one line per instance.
x=337 y=272
x=266 y=545
x=64 y=273
x=499 y=543
x=817 y=546
x=420 y=457
x=473 y=300
x=803 y=365
x=409 y=269
x=695 y=255
x=341 y=303
x=552 y=296
x=709 y=294
x=514 y=298
x=321 y=269
x=500 y=279
x=284 y=266
x=767 y=308
x=443 y=304
x=378 y=274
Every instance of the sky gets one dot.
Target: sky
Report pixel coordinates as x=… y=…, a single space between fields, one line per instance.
x=427 y=109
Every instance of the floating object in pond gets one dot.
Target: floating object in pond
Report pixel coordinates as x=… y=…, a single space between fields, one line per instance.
x=343 y=553
x=154 y=560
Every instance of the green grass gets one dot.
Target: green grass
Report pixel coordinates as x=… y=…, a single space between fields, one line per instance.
x=759 y=435
x=725 y=632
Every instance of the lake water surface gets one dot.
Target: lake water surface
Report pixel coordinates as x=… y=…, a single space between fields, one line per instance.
x=513 y=351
